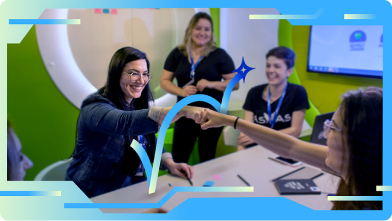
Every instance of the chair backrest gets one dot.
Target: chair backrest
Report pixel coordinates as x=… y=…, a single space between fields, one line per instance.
x=318 y=128
x=54 y=172
x=230 y=136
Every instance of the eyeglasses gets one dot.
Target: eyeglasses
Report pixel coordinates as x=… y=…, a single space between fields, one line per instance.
x=327 y=128
x=135 y=76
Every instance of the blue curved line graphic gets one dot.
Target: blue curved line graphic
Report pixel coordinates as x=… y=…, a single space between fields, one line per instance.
x=165 y=125
x=227 y=93
x=152 y=178
x=143 y=157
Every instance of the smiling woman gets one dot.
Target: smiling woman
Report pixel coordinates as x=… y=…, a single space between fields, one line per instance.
x=111 y=118
x=200 y=67
x=279 y=105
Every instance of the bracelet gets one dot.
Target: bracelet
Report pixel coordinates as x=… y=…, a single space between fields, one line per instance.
x=235 y=122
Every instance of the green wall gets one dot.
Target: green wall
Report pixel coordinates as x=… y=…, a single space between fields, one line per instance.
x=43 y=119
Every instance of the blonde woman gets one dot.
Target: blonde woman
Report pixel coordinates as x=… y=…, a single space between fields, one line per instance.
x=200 y=68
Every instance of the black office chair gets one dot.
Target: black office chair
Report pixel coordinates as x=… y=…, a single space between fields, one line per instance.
x=318 y=128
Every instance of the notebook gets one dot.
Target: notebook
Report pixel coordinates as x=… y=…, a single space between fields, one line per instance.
x=297 y=186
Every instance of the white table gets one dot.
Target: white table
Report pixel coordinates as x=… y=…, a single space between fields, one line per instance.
x=252 y=164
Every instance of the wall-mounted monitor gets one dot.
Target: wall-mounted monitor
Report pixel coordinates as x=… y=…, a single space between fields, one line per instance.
x=346 y=50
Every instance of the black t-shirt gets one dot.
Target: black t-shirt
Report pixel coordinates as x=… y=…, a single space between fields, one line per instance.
x=211 y=68
x=295 y=99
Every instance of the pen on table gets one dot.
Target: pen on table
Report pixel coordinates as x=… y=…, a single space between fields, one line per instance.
x=243 y=180
x=276 y=161
x=186 y=176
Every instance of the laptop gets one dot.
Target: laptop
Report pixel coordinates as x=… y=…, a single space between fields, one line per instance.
x=318 y=128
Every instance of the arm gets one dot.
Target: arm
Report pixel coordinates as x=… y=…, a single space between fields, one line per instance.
x=217 y=85
x=282 y=144
x=296 y=124
x=244 y=140
x=167 y=85
x=104 y=118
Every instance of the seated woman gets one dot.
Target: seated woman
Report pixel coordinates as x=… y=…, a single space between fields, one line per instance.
x=111 y=119
x=17 y=162
x=353 y=151
x=278 y=104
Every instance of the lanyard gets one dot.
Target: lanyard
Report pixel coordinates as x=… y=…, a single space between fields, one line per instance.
x=272 y=121
x=193 y=68
x=140 y=169
x=141 y=141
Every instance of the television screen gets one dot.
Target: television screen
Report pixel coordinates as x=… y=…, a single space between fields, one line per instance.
x=346 y=50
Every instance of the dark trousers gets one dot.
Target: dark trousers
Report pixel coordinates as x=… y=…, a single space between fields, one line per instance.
x=185 y=133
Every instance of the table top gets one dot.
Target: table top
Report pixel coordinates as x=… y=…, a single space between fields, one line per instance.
x=252 y=164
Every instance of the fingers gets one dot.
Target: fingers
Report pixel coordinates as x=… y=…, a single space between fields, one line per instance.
x=247 y=142
x=244 y=140
x=241 y=139
x=157 y=210
x=204 y=120
x=201 y=85
x=185 y=168
x=162 y=210
x=190 y=170
x=189 y=90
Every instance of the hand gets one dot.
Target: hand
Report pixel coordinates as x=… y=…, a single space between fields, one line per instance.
x=179 y=169
x=214 y=119
x=194 y=113
x=244 y=140
x=202 y=84
x=157 y=210
x=188 y=91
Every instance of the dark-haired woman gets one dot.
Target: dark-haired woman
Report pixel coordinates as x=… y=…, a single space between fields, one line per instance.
x=17 y=162
x=111 y=119
x=353 y=151
x=199 y=67
x=279 y=104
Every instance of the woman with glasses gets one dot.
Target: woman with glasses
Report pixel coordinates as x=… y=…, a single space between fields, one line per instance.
x=199 y=67
x=353 y=151
x=278 y=104
x=111 y=119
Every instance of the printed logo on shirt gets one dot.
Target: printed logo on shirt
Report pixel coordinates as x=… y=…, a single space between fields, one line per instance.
x=265 y=119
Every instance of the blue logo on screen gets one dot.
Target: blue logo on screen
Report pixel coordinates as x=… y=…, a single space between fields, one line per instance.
x=357 y=41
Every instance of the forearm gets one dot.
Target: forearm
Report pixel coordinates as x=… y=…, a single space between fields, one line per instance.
x=158 y=114
x=221 y=85
x=294 y=132
x=166 y=161
x=277 y=142
x=283 y=144
x=169 y=87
